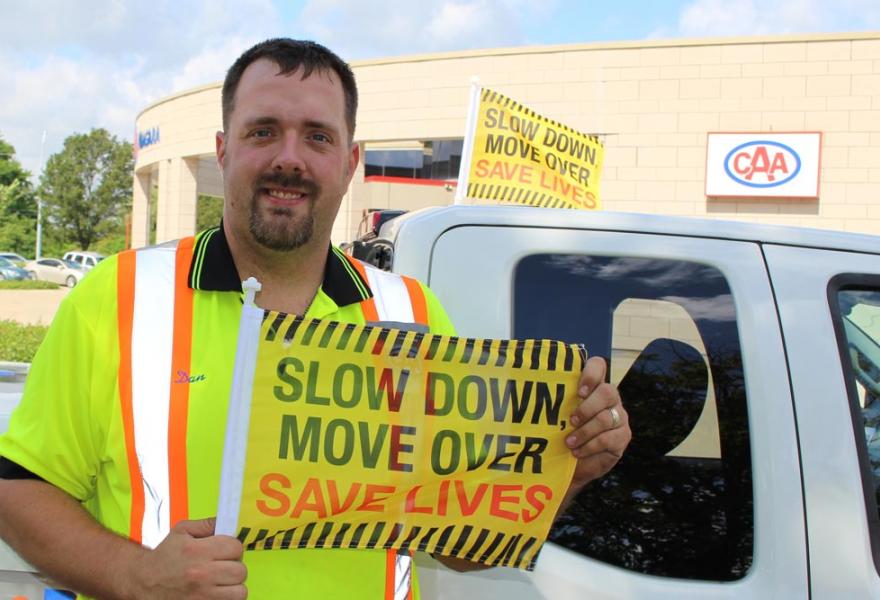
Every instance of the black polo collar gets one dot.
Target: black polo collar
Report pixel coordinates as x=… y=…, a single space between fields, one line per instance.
x=212 y=269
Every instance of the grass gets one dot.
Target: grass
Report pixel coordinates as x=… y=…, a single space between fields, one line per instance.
x=27 y=284
x=18 y=341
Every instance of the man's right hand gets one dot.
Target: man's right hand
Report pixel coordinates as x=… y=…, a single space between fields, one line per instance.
x=192 y=562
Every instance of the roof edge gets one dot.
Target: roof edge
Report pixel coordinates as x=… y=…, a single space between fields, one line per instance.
x=557 y=48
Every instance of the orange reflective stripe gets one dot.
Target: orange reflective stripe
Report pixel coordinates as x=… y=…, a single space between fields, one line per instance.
x=368 y=306
x=390 y=570
x=178 y=410
x=417 y=300
x=125 y=267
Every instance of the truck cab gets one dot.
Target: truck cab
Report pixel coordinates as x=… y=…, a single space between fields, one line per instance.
x=747 y=358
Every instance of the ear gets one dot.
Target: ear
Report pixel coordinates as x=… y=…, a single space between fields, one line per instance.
x=220 y=144
x=353 y=158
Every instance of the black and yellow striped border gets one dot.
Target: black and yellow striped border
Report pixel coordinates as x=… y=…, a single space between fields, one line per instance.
x=502 y=100
x=460 y=541
x=536 y=355
x=516 y=195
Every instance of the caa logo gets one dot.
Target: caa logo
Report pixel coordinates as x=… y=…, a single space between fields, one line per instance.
x=762 y=164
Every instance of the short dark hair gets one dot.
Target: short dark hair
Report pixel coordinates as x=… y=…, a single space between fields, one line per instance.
x=291 y=55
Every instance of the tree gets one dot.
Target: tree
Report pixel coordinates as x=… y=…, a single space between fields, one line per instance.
x=86 y=188
x=209 y=211
x=18 y=209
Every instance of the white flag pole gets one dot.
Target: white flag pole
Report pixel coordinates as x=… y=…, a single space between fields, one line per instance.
x=468 y=146
x=238 y=419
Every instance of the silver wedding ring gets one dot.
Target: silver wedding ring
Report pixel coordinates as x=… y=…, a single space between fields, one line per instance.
x=615 y=417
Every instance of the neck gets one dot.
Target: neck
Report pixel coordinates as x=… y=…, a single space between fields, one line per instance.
x=290 y=279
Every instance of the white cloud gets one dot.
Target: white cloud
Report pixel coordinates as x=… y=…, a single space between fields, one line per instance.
x=358 y=29
x=67 y=67
x=708 y=18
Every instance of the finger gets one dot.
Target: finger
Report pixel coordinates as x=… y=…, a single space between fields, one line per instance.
x=592 y=375
x=601 y=422
x=199 y=528
x=592 y=468
x=612 y=442
x=229 y=572
x=602 y=397
x=230 y=592
x=224 y=547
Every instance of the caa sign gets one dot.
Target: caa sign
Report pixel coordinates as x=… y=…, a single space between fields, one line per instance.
x=776 y=165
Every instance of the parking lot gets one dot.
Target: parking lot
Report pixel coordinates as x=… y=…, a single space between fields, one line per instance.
x=36 y=307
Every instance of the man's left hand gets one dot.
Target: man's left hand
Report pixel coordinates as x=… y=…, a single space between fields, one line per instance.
x=601 y=427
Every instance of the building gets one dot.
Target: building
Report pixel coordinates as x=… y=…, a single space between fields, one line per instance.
x=652 y=103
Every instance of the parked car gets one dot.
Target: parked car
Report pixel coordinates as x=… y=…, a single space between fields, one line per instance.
x=17 y=259
x=87 y=260
x=369 y=245
x=8 y=270
x=63 y=272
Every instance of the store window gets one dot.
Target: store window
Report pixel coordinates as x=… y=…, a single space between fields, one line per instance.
x=679 y=504
x=431 y=159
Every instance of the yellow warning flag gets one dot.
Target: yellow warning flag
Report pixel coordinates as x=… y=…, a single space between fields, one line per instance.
x=522 y=157
x=372 y=438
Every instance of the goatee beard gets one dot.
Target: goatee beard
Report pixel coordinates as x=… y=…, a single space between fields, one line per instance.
x=286 y=233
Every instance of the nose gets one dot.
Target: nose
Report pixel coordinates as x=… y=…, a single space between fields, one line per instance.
x=289 y=156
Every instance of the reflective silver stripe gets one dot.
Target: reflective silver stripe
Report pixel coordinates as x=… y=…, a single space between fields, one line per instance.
x=151 y=341
x=402 y=576
x=393 y=304
x=390 y=295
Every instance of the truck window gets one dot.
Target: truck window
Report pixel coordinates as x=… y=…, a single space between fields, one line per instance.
x=857 y=320
x=679 y=504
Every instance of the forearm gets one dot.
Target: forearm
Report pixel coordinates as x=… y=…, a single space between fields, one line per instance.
x=54 y=533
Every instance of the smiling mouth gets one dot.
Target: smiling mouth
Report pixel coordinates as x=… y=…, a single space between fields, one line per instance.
x=284 y=197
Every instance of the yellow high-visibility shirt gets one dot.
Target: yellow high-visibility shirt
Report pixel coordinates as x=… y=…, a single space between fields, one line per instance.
x=70 y=431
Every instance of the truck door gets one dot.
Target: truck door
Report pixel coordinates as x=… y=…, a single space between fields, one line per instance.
x=707 y=502
x=830 y=312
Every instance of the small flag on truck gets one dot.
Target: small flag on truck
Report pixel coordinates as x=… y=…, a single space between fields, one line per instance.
x=513 y=154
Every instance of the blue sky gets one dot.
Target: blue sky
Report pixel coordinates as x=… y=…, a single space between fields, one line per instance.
x=68 y=66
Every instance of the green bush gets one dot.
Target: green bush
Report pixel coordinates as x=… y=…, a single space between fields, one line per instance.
x=27 y=284
x=19 y=342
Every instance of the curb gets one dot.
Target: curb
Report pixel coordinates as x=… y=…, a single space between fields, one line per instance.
x=13 y=371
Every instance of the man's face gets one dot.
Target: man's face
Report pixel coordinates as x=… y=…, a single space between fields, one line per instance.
x=286 y=157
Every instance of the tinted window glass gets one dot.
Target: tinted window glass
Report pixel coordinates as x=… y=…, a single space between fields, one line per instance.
x=437 y=159
x=858 y=325
x=679 y=503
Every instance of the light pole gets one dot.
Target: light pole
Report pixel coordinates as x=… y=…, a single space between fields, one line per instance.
x=39 y=248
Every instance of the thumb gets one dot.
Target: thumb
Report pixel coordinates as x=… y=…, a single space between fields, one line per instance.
x=199 y=528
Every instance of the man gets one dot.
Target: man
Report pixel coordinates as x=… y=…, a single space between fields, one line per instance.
x=106 y=446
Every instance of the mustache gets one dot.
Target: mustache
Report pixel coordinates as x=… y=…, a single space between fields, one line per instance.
x=293 y=180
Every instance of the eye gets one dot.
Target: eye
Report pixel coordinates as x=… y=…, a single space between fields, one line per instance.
x=262 y=132
x=320 y=137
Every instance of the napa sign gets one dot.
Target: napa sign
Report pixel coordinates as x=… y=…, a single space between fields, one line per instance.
x=770 y=165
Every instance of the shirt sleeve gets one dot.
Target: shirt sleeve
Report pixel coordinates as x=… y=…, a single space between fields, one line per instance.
x=54 y=431
x=438 y=320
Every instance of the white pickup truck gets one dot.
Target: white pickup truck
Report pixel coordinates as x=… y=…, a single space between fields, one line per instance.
x=748 y=359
